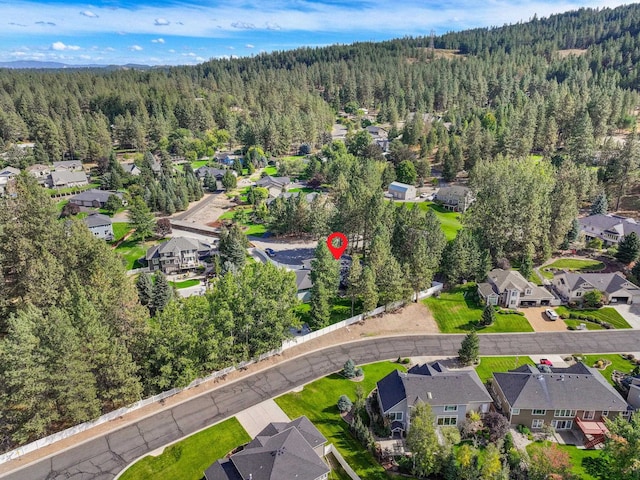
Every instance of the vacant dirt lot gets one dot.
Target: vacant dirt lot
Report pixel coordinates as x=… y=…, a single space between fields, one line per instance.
x=539 y=322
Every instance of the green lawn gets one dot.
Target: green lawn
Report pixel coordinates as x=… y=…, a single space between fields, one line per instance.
x=607 y=314
x=488 y=365
x=250 y=228
x=450 y=221
x=60 y=205
x=617 y=363
x=318 y=402
x=573 y=265
x=588 y=325
x=131 y=251
x=303 y=190
x=189 y=458
x=577 y=456
x=341 y=310
x=185 y=284
x=535 y=278
x=457 y=312
x=273 y=171
x=120 y=229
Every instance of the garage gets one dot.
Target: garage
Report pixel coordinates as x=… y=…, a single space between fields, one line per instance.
x=621 y=299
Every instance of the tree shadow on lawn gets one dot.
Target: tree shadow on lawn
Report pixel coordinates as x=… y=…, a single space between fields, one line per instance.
x=594 y=466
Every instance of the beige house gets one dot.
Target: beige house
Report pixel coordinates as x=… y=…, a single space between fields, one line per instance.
x=177 y=255
x=402 y=191
x=614 y=286
x=509 y=289
x=456 y=198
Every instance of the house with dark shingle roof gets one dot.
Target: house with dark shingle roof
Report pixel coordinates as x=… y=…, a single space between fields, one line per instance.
x=451 y=393
x=281 y=451
x=93 y=198
x=100 y=225
x=177 y=255
x=67 y=178
x=510 y=289
x=68 y=166
x=608 y=228
x=575 y=398
x=273 y=182
x=614 y=286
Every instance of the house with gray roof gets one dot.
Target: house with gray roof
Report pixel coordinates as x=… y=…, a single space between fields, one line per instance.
x=509 y=289
x=177 y=255
x=68 y=166
x=39 y=171
x=281 y=451
x=6 y=175
x=67 y=178
x=614 y=286
x=402 y=191
x=576 y=398
x=94 y=198
x=131 y=169
x=455 y=197
x=451 y=394
x=608 y=228
x=100 y=225
x=273 y=182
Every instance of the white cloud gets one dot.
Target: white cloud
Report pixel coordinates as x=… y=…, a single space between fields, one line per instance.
x=200 y=59
x=272 y=26
x=171 y=50
x=85 y=57
x=59 y=46
x=231 y=48
x=88 y=13
x=109 y=49
x=161 y=22
x=248 y=45
x=243 y=25
x=136 y=48
x=157 y=40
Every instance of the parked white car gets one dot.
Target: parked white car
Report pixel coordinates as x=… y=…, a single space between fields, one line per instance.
x=551 y=314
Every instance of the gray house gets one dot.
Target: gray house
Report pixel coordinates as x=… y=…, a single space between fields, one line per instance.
x=100 y=225
x=508 y=288
x=402 y=191
x=575 y=398
x=93 y=198
x=273 y=182
x=282 y=451
x=6 y=175
x=39 y=171
x=177 y=255
x=451 y=394
x=131 y=169
x=67 y=178
x=614 y=286
x=68 y=166
x=608 y=228
x=456 y=198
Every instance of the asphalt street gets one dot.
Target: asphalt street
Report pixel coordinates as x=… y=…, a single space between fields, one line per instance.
x=104 y=457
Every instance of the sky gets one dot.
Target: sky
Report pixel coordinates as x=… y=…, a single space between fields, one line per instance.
x=188 y=32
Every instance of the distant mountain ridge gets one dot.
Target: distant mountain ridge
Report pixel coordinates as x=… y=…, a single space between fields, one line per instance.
x=35 y=64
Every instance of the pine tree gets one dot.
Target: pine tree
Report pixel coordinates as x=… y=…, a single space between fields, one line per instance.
x=162 y=292
x=325 y=276
x=600 y=205
x=368 y=290
x=628 y=248
x=141 y=218
x=422 y=441
x=526 y=265
x=233 y=246
x=573 y=233
x=488 y=315
x=229 y=180
x=145 y=289
x=470 y=349
x=354 y=282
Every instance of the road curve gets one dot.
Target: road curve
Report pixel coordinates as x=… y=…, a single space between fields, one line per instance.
x=104 y=457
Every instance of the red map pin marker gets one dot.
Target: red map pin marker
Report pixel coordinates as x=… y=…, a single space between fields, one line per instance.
x=337 y=251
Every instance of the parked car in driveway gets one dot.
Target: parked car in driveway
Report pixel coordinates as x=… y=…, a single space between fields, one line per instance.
x=270 y=252
x=545 y=361
x=551 y=314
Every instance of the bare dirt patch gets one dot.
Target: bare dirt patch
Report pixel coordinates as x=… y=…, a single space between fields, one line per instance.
x=571 y=51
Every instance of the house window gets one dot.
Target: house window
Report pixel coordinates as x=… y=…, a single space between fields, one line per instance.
x=537 y=423
x=451 y=408
x=588 y=415
x=578 y=294
x=446 y=421
x=528 y=291
x=538 y=412
x=562 y=424
x=605 y=413
x=565 y=413
x=515 y=411
x=393 y=416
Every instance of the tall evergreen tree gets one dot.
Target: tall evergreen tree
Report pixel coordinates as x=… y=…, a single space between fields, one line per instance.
x=233 y=246
x=469 y=349
x=628 y=248
x=600 y=205
x=325 y=276
x=162 y=292
x=141 y=218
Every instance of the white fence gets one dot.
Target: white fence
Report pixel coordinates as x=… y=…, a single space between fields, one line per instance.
x=30 y=447
x=330 y=449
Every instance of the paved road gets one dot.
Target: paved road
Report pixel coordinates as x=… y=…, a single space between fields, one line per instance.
x=104 y=457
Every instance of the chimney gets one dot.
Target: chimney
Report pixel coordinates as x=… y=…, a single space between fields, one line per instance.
x=429 y=396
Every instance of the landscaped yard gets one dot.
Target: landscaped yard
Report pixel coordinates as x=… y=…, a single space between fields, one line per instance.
x=607 y=314
x=250 y=228
x=617 y=363
x=340 y=311
x=488 y=365
x=572 y=264
x=588 y=325
x=185 y=283
x=65 y=191
x=577 y=456
x=318 y=402
x=458 y=312
x=450 y=221
x=189 y=458
x=120 y=229
x=132 y=250
x=272 y=171
x=303 y=190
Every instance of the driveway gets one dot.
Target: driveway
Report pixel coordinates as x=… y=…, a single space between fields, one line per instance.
x=539 y=322
x=288 y=252
x=631 y=313
x=256 y=418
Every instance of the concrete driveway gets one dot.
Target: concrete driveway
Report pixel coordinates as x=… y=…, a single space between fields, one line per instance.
x=288 y=252
x=539 y=321
x=631 y=313
x=256 y=418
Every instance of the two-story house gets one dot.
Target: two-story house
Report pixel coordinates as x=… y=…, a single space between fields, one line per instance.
x=614 y=287
x=456 y=198
x=451 y=394
x=39 y=171
x=7 y=174
x=575 y=398
x=177 y=255
x=608 y=228
x=509 y=289
x=67 y=179
x=94 y=198
x=100 y=225
x=68 y=166
x=283 y=451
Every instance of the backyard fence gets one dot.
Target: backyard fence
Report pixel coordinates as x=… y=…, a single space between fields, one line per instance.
x=221 y=374
x=330 y=449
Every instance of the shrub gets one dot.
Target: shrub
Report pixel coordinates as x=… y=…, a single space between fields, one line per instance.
x=564 y=316
x=571 y=327
x=344 y=404
x=359 y=372
x=406 y=361
x=349 y=369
